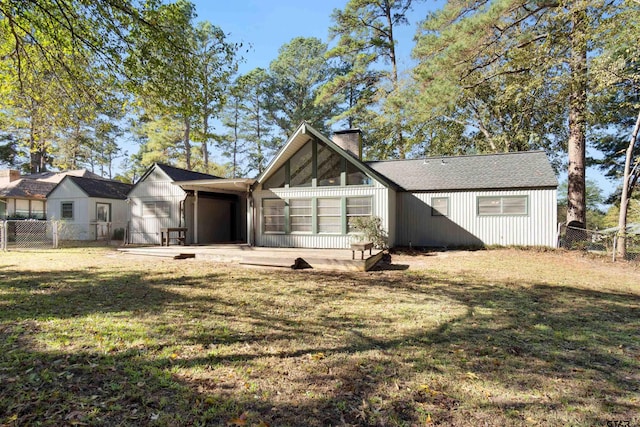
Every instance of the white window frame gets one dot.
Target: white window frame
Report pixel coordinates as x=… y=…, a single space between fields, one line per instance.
x=358 y=214
x=501 y=208
x=268 y=214
x=333 y=216
x=439 y=210
x=308 y=214
x=156 y=209
x=62 y=216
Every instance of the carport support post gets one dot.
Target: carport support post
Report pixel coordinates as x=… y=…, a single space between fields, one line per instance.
x=249 y=216
x=195 y=219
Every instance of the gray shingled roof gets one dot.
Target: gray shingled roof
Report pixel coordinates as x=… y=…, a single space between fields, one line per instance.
x=27 y=188
x=178 y=174
x=528 y=169
x=103 y=188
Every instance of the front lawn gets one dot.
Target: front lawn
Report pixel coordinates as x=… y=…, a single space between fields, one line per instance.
x=500 y=337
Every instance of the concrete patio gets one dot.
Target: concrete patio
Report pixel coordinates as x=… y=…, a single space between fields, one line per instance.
x=243 y=254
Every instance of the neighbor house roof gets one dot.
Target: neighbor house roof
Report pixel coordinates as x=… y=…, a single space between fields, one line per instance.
x=527 y=169
x=178 y=174
x=56 y=177
x=102 y=188
x=27 y=189
x=38 y=185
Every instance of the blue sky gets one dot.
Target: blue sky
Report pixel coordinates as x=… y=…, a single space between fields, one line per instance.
x=264 y=26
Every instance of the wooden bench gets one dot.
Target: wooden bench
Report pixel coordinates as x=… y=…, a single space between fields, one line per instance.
x=180 y=235
x=363 y=246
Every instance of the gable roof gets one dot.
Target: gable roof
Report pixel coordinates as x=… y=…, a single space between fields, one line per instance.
x=174 y=174
x=304 y=133
x=56 y=177
x=102 y=188
x=526 y=169
x=27 y=189
x=39 y=185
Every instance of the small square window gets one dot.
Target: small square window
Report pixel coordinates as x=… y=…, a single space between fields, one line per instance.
x=440 y=206
x=66 y=210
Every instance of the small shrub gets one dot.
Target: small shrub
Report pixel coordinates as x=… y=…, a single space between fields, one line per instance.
x=371 y=230
x=118 y=234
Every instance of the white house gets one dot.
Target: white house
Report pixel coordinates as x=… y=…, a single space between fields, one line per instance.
x=166 y=196
x=314 y=187
x=91 y=208
x=25 y=196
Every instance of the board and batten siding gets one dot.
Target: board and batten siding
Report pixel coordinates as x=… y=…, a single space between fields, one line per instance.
x=464 y=227
x=156 y=187
x=381 y=197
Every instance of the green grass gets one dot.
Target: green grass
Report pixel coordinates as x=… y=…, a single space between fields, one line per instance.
x=496 y=337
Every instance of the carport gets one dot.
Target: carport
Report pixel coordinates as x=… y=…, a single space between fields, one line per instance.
x=219 y=210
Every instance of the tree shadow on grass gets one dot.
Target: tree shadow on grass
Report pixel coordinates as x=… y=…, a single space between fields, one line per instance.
x=73 y=293
x=518 y=341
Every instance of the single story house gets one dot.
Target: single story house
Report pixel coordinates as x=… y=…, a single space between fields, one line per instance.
x=91 y=208
x=25 y=196
x=314 y=187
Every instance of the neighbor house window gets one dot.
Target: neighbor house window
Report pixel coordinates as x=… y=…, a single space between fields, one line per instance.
x=273 y=215
x=103 y=212
x=159 y=209
x=37 y=209
x=503 y=205
x=440 y=206
x=300 y=215
x=66 y=210
x=329 y=216
x=22 y=208
x=357 y=207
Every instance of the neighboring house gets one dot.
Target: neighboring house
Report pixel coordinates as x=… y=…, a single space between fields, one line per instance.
x=91 y=208
x=166 y=196
x=310 y=193
x=24 y=196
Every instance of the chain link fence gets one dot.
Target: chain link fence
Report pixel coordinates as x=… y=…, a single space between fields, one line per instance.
x=600 y=241
x=40 y=234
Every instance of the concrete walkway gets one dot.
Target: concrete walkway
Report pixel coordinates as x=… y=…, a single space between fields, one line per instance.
x=243 y=254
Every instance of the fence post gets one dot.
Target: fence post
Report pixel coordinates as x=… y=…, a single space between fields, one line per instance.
x=54 y=231
x=615 y=245
x=5 y=230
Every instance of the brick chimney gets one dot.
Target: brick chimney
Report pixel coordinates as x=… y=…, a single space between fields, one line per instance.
x=8 y=175
x=350 y=140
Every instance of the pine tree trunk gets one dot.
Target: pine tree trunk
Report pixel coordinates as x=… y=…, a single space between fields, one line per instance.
x=576 y=209
x=187 y=143
x=621 y=245
x=205 y=148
